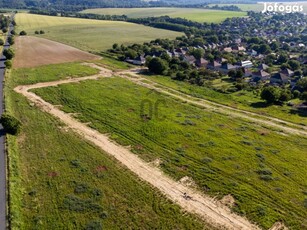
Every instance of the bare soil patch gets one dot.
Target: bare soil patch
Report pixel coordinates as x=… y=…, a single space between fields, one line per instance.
x=33 y=52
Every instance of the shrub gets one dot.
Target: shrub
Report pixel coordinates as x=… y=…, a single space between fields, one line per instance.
x=81 y=188
x=11 y=40
x=23 y=33
x=8 y=64
x=266 y=177
x=264 y=172
x=10 y=124
x=41 y=32
x=1 y=42
x=36 y=32
x=94 y=225
x=9 y=54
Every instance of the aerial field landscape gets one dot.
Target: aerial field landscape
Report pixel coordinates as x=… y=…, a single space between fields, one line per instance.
x=202 y=141
x=128 y=114
x=198 y=15
x=89 y=35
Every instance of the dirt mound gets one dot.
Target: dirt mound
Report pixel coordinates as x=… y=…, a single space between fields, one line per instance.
x=33 y=52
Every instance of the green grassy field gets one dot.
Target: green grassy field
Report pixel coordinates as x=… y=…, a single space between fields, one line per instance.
x=59 y=181
x=89 y=35
x=260 y=6
x=247 y=100
x=199 y=15
x=263 y=170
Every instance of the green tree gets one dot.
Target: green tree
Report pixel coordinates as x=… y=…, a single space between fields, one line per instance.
x=304 y=96
x=9 y=54
x=270 y=94
x=285 y=95
x=302 y=83
x=157 y=65
x=23 y=33
x=1 y=42
x=198 y=53
x=295 y=65
x=10 y=124
x=11 y=40
x=8 y=64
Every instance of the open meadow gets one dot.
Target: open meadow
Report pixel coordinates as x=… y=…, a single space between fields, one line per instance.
x=260 y=6
x=246 y=100
x=60 y=181
x=199 y=15
x=89 y=35
x=221 y=155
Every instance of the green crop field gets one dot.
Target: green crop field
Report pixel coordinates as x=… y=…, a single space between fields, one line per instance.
x=89 y=35
x=264 y=171
x=199 y=15
x=59 y=181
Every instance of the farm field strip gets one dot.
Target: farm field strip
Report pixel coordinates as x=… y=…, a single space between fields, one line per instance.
x=281 y=125
x=87 y=34
x=194 y=14
x=209 y=209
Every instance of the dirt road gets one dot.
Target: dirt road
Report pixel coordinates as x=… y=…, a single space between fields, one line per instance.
x=210 y=210
x=280 y=125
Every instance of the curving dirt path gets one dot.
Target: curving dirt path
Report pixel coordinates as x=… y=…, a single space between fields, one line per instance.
x=210 y=210
x=280 y=125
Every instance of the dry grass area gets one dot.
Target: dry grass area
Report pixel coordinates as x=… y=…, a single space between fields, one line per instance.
x=33 y=52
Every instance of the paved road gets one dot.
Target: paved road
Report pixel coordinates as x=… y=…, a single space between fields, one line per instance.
x=3 y=223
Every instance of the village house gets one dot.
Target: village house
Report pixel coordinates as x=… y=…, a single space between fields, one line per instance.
x=214 y=65
x=287 y=72
x=263 y=67
x=226 y=67
x=260 y=75
x=246 y=64
x=189 y=59
x=201 y=63
x=279 y=78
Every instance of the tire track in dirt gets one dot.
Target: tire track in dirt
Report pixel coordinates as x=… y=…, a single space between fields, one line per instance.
x=281 y=125
x=210 y=210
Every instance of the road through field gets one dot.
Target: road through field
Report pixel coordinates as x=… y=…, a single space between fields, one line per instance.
x=262 y=120
x=212 y=211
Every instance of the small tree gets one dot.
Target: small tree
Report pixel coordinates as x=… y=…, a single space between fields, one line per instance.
x=36 y=32
x=23 y=33
x=157 y=65
x=8 y=64
x=13 y=32
x=1 y=42
x=271 y=94
x=4 y=30
x=41 y=32
x=304 y=96
x=10 y=124
x=9 y=54
x=285 y=95
x=11 y=40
